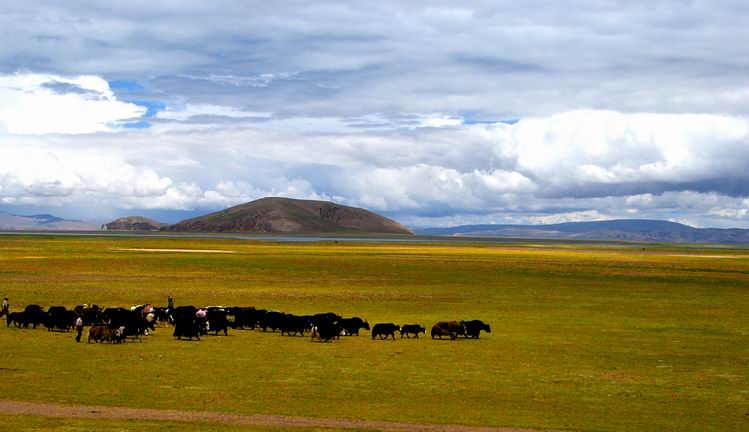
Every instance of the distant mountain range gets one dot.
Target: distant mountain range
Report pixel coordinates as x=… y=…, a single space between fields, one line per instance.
x=639 y=230
x=292 y=216
x=265 y=215
x=43 y=222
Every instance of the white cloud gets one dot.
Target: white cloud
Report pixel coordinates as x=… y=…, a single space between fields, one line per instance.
x=261 y=80
x=196 y=110
x=420 y=187
x=581 y=165
x=439 y=121
x=42 y=104
x=581 y=216
x=570 y=150
x=39 y=175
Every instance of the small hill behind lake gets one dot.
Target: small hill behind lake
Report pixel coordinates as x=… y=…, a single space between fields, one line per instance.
x=133 y=223
x=292 y=216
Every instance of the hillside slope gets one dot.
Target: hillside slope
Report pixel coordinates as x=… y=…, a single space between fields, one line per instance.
x=286 y=215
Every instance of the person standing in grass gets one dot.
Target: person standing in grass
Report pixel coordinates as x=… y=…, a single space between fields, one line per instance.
x=78 y=328
x=6 y=307
x=169 y=302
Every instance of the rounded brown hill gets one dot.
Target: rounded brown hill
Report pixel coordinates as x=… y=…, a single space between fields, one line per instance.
x=133 y=223
x=286 y=215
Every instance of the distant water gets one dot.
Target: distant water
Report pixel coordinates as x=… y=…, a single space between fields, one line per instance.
x=373 y=239
x=291 y=239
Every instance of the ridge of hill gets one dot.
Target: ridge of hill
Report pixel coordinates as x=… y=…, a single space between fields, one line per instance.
x=291 y=216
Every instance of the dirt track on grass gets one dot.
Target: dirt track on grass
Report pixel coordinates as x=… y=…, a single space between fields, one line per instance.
x=178 y=250
x=260 y=420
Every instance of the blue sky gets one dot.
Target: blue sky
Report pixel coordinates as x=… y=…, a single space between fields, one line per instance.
x=437 y=114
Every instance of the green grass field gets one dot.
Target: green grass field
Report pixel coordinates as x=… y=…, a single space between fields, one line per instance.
x=50 y=424
x=585 y=337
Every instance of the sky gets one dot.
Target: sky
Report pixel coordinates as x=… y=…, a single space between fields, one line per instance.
x=433 y=113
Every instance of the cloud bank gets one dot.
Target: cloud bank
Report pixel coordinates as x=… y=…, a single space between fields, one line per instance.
x=538 y=169
x=434 y=115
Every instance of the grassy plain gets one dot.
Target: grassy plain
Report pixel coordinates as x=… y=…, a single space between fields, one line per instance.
x=585 y=337
x=23 y=423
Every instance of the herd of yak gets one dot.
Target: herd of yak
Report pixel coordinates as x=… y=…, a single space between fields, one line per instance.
x=117 y=324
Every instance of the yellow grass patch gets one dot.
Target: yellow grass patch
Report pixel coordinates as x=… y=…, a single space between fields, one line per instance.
x=177 y=250
x=708 y=256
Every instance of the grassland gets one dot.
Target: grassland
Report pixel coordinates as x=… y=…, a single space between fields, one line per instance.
x=51 y=424
x=585 y=337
